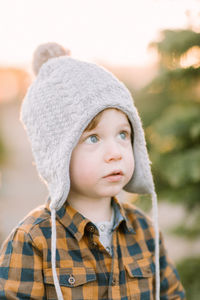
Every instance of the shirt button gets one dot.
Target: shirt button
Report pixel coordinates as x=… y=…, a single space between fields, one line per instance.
x=71 y=279
x=114 y=281
x=102 y=227
x=108 y=249
x=91 y=228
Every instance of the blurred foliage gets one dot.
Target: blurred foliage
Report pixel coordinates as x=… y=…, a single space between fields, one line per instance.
x=188 y=231
x=170 y=110
x=190 y=277
x=175 y=43
x=143 y=202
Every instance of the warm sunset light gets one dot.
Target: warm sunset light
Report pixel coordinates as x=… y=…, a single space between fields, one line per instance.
x=100 y=152
x=115 y=31
x=191 y=58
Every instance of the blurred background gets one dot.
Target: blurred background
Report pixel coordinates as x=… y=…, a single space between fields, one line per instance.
x=153 y=46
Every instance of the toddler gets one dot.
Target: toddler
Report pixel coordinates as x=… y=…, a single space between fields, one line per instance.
x=88 y=144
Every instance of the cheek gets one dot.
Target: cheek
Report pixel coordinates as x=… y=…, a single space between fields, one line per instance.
x=130 y=163
x=81 y=169
x=132 y=166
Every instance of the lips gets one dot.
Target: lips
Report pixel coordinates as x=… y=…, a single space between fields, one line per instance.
x=116 y=172
x=114 y=176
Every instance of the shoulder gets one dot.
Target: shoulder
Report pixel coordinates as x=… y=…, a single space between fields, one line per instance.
x=34 y=229
x=134 y=213
x=35 y=218
x=141 y=223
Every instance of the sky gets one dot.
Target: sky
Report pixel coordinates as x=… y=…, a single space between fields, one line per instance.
x=114 y=31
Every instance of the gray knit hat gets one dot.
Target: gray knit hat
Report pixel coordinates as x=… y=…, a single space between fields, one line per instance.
x=65 y=96
x=60 y=103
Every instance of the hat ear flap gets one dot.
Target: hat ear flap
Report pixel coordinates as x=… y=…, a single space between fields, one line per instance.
x=142 y=180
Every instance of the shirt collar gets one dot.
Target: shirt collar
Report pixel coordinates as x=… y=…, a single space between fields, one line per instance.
x=75 y=222
x=120 y=216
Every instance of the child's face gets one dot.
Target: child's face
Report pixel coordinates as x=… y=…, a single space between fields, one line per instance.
x=102 y=163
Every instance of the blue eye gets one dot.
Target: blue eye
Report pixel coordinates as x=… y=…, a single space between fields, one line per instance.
x=123 y=135
x=92 y=139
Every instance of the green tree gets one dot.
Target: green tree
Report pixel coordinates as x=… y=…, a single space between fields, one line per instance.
x=170 y=109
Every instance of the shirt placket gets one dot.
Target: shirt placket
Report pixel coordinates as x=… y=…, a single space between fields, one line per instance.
x=114 y=288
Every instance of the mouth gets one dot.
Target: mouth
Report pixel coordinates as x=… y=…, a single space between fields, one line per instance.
x=114 y=176
x=116 y=172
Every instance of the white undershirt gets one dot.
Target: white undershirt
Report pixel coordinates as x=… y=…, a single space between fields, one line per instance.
x=105 y=233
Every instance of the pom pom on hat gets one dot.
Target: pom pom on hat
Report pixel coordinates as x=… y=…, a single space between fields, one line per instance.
x=46 y=51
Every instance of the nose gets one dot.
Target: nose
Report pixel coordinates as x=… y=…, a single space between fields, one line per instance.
x=112 y=152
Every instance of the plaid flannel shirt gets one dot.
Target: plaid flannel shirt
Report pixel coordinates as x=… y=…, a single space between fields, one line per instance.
x=84 y=267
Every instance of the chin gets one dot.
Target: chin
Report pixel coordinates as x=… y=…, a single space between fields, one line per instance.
x=112 y=192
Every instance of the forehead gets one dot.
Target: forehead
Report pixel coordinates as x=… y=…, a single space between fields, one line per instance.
x=108 y=115
x=113 y=117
